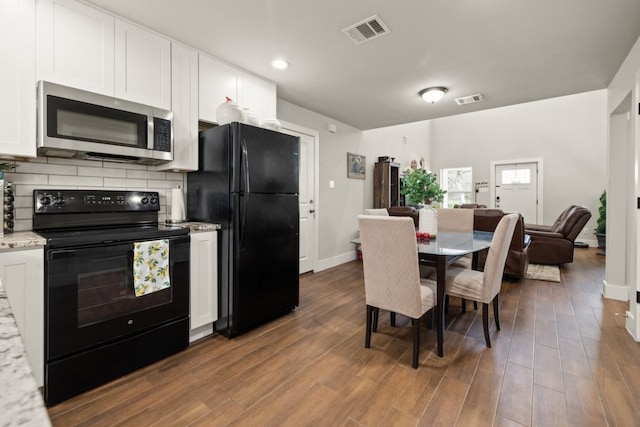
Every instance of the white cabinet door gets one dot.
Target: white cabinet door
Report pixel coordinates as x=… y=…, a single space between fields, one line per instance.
x=22 y=275
x=75 y=45
x=17 y=78
x=258 y=96
x=217 y=81
x=184 y=103
x=142 y=66
x=204 y=278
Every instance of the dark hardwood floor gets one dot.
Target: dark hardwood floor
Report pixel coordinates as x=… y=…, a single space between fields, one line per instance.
x=562 y=358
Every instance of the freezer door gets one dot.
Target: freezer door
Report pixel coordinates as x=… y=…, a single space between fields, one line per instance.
x=267 y=161
x=265 y=268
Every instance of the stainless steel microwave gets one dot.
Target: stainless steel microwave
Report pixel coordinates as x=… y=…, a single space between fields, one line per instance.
x=76 y=124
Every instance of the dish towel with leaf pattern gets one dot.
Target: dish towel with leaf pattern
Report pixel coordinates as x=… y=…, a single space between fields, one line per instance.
x=150 y=266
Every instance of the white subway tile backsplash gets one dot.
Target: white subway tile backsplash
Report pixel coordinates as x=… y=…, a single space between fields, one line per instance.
x=56 y=180
x=124 y=183
x=103 y=172
x=60 y=173
x=136 y=174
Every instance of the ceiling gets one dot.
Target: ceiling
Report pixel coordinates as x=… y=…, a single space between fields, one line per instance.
x=510 y=51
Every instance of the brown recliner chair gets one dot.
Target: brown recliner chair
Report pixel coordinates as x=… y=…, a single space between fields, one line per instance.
x=553 y=244
x=405 y=211
x=518 y=256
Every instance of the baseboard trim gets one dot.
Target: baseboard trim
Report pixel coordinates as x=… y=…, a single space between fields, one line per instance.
x=336 y=260
x=620 y=293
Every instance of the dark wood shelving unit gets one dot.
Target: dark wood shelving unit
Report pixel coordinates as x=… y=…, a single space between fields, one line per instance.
x=386 y=185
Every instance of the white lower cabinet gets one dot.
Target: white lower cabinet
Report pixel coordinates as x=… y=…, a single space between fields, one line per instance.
x=22 y=275
x=204 y=283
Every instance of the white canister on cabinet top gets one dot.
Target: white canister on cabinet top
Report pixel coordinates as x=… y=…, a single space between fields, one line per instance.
x=228 y=112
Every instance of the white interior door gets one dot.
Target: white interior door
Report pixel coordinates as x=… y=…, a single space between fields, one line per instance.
x=516 y=189
x=307 y=196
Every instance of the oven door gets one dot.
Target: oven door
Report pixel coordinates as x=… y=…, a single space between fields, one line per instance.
x=90 y=299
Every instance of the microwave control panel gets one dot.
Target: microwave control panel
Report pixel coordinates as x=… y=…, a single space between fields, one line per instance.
x=161 y=134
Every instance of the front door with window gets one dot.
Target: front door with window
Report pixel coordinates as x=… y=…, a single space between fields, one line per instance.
x=516 y=189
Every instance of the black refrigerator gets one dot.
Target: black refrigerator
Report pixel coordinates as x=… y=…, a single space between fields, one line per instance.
x=247 y=181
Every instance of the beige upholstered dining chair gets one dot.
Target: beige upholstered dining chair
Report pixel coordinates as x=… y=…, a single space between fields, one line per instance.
x=460 y=220
x=391 y=277
x=377 y=211
x=484 y=287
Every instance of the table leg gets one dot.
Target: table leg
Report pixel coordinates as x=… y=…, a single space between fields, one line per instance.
x=441 y=271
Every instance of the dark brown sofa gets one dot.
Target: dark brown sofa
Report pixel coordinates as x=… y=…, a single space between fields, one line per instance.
x=553 y=244
x=518 y=256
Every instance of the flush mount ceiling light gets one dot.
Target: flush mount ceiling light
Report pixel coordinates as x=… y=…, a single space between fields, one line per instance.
x=433 y=94
x=280 y=64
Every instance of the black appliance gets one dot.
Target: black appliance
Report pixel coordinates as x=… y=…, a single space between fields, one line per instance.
x=96 y=329
x=247 y=181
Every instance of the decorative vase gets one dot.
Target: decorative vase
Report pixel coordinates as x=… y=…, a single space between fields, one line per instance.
x=428 y=220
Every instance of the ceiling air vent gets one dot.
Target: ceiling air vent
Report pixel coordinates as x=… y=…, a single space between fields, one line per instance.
x=366 y=30
x=469 y=99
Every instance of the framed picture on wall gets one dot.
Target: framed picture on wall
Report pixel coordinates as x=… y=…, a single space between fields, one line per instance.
x=356 y=166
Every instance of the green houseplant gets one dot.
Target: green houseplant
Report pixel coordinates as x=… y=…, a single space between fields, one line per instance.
x=601 y=222
x=421 y=186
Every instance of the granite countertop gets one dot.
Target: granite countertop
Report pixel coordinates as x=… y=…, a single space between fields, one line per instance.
x=21 y=402
x=21 y=239
x=199 y=226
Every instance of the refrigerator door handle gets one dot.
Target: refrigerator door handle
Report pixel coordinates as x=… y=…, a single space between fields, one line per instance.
x=244 y=175
x=244 y=165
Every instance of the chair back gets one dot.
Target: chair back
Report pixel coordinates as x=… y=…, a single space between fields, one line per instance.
x=494 y=266
x=573 y=223
x=390 y=262
x=379 y=212
x=451 y=219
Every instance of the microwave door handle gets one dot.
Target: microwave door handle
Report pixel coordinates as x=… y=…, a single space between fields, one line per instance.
x=150 y=132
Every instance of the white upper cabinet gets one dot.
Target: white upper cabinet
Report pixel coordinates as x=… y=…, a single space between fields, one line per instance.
x=75 y=45
x=142 y=66
x=258 y=96
x=17 y=78
x=217 y=81
x=85 y=48
x=184 y=103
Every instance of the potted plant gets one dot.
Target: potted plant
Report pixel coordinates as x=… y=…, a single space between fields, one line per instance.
x=601 y=222
x=421 y=187
x=5 y=167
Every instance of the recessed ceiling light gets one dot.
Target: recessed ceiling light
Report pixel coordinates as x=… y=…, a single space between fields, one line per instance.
x=280 y=64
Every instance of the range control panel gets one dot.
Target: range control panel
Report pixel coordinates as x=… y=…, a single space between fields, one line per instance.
x=87 y=201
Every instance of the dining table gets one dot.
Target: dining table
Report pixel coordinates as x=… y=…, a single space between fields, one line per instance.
x=441 y=251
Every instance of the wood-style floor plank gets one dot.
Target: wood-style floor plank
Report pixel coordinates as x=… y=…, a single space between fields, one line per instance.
x=563 y=357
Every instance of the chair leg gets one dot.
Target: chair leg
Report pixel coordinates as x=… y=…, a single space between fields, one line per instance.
x=367 y=337
x=496 y=314
x=416 y=343
x=475 y=305
x=446 y=304
x=485 y=323
x=392 y=318
x=376 y=312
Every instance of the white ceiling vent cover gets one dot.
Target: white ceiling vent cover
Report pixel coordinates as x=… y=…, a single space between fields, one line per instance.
x=469 y=99
x=367 y=29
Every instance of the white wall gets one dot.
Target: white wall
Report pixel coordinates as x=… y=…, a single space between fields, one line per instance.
x=624 y=235
x=568 y=133
x=340 y=206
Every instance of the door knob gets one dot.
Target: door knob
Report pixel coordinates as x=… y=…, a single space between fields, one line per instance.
x=312 y=211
